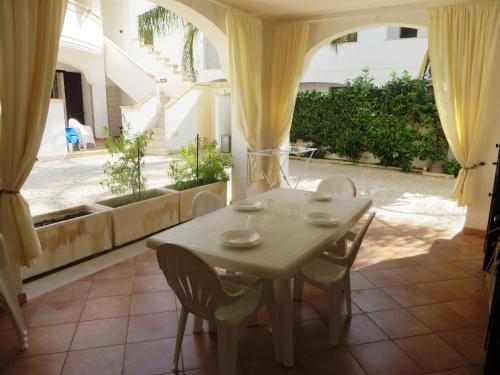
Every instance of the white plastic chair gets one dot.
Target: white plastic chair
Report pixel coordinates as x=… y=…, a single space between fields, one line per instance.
x=202 y=292
x=332 y=275
x=205 y=202
x=8 y=298
x=340 y=185
x=85 y=133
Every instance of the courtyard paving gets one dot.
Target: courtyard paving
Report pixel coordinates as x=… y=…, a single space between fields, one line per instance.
x=397 y=197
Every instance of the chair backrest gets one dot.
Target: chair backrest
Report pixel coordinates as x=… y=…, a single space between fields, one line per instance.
x=358 y=239
x=194 y=282
x=340 y=185
x=205 y=202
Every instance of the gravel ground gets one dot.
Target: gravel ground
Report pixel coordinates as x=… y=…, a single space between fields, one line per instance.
x=398 y=197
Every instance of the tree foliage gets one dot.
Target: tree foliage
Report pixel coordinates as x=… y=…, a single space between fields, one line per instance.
x=124 y=172
x=397 y=122
x=199 y=163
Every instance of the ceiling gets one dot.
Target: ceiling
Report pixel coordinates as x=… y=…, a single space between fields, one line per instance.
x=300 y=8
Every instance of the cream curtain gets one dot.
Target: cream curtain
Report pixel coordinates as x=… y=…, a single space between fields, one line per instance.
x=244 y=37
x=463 y=41
x=286 y=64
x=29 y=40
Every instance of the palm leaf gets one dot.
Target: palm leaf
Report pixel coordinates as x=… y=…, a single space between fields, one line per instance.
x=188 y=52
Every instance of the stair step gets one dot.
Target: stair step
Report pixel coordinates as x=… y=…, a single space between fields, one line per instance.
x=158 y=138
x=158 y=131
x=156 y=144
x=157 y=151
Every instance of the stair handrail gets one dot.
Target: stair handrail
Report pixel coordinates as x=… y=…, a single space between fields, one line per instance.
x=141 y=102
x=125 y=54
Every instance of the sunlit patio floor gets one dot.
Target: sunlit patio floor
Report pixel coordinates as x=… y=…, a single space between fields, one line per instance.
x=419 y=307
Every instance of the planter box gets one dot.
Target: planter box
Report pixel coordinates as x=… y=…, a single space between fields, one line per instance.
x=158 y=210
x=186 y=198
x=69 y=240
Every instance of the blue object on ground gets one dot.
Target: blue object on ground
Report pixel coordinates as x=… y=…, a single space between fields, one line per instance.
x=72 y=136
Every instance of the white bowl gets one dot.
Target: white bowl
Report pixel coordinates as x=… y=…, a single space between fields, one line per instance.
x=321 y=218
x=240 y=238
x=248 y=205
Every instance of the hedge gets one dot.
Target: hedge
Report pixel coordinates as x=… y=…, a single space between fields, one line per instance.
x=397 y=122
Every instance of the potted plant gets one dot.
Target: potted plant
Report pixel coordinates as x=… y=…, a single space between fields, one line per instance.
x=201 y=166
x=70 y=235
x=140 y=212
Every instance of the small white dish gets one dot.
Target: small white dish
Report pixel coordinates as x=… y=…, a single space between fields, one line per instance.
x=321 y=197
x=248 y=205
x=321 y=218
x=240 y=238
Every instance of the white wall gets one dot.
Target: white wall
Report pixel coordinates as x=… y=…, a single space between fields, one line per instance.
x=54 y=136
x=372 y=50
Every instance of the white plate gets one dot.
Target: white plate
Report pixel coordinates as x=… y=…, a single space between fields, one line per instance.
x=248 y=205
x=320 y=218
x=317 y=196
x=240 y=238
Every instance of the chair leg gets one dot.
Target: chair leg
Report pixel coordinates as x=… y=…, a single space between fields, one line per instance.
x=347 y=291
x=335 y=314
x=227 y=347
x=12 y=308
x=298 y=286
x=212 y=326
x=198 y=324
x=180 y=336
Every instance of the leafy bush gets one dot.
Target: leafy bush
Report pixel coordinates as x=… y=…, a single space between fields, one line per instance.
x=452 y=167
x=125 y=173
x=397 y=122
x=200 y=165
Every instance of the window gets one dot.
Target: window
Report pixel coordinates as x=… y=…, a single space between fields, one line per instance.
x=407 y=32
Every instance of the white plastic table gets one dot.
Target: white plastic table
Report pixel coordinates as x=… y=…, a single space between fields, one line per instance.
x=287 y=244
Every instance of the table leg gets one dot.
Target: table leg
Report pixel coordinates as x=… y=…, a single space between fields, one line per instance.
x=274 y=318
x=284 y=309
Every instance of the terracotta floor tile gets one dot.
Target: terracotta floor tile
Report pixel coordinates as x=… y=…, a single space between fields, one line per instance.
x=57 y=312
x=373 y=300
x=9 y=344
x=467 y=341
x=147 y=256
x=438 y=317
x=199 y=351
x=152 y=326
x=106 y=307
x=474 y=310
x=120 y=270
x=427 y=259
x=48 y=364
x=256 y=343
x=359 y=329
x=443 y=291
x=359 y=282
x=383 y=278
x=50 y=339
x=472 y=267
x=460 y=371
x=398 y=323
x=384 y=357
x=145 y=268
x=271 y=367
x=148 y=284
x=152 y=303
x=110 y=287
x=475 y=286
x=417 y=274
x=104 y=332
x=320 y=304
x=446 y=271
x=150 y=357
x=408 y=295
x=431 y=353
x=335 y=361
x=74 y=291
x=106 y=360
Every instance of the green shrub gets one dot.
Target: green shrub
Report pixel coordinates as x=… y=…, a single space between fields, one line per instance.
x=397 y=122
x=199 y=165
x=452 y=167
x=124 y=173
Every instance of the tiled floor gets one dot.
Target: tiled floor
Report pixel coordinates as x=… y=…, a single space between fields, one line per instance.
x=419 y=308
